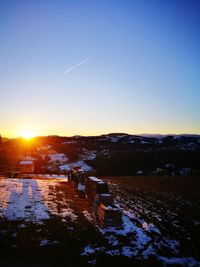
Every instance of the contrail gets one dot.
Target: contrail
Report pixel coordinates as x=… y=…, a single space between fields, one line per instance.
x=76 y=66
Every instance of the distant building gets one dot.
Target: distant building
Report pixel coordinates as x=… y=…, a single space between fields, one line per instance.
x=27 y=166
x=28 y=158
x=58 y=158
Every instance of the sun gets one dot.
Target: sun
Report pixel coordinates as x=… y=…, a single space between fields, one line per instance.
x=27 y=134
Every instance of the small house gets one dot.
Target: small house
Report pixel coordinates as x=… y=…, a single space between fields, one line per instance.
x=26 y=166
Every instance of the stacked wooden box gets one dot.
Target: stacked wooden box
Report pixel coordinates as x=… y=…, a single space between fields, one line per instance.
x=78 y=176
x=95 y=186
x=107 y=214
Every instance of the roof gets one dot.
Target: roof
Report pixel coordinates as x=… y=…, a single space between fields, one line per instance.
x=95 y=179
x=25 y=158
x=26 y=162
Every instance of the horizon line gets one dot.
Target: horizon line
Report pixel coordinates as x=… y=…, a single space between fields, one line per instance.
x=95 y=135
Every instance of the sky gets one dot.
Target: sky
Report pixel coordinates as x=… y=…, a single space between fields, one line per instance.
x=96 y=66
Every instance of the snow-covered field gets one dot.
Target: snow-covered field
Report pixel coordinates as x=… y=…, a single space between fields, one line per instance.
x=48 y=216
x=32 y=200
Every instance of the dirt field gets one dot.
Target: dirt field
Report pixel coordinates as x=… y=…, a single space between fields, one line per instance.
x=46 y=223
x=170 y=204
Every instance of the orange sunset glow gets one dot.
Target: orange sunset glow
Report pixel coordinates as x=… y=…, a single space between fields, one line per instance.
x=27 y=134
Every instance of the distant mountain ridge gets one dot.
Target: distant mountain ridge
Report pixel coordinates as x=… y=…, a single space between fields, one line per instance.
x=165 y=135
x=118 y=153
x=146 y=135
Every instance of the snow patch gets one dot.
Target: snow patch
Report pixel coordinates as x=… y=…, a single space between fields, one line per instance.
x=88 y=216
x=80 y=164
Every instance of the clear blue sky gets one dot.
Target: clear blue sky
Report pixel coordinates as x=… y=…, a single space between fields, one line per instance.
x=142 y=73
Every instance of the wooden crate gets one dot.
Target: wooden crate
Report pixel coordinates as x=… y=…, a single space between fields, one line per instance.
x=95 y=186
x=109 y=216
